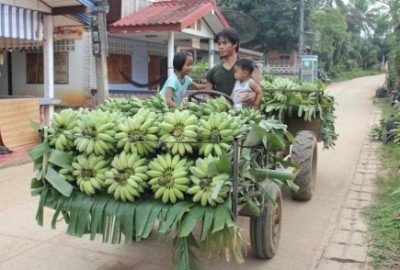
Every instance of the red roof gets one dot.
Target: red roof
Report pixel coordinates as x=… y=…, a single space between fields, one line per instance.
x=167 y=15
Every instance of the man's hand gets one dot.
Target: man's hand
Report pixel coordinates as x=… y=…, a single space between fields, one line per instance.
x=249 y=98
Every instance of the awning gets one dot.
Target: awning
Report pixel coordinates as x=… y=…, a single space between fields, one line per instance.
x=20 y=27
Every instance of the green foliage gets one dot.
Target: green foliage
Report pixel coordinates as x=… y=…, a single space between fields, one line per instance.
x=199 y=71
x=277 y=22
x=383 y=216
x=394 y=62
x=342 y=75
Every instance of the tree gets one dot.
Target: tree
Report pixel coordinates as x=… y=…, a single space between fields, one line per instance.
x=277 y=22
x=332 y=27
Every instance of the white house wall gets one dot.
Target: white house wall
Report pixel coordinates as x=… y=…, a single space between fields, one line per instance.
x=3 y=77
x=30 y=4
x=70 y=94
x=130 y=6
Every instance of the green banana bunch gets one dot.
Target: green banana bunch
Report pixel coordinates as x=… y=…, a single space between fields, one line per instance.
x=194 y=108
x=217 y=132
x=178 y=129
x=251 y=116
x=133 y=105
x=67 y=173
x=169 y=177
x=127 y=106
x=60 y=131
x=127 y=178
x=204 y=184
x=89 y=172
x=112 y=104
x=156 y=103
x=94 y=132
x=137 y=134
x=281 y=83
x=214 y=105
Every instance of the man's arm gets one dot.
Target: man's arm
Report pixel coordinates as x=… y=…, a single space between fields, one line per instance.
x=259 y=94
x=209 y=86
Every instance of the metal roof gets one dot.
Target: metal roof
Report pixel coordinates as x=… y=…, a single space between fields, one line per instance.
x=173 y=15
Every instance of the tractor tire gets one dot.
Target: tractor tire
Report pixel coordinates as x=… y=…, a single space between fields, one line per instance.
x=265 y=230
x=305 y=151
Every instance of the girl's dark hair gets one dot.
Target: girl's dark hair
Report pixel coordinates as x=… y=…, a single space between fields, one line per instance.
x=246 y=64
x=180 y=59
x=230 y=34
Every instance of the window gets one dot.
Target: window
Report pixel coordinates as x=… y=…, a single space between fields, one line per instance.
x=35 y=68
x=118 y=63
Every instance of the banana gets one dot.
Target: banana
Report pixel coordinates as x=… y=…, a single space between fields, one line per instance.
x=172 y=196
x=196 y=171
x=123 y=127
x=90 y=146
x=189 y=133
x=112 y=187
x=217 y=150
x=194 y=189
x=205 y=124
x=127 y=195
x=170 y=119
x=166 y=196
x=220 y=177
x=204 y=198
x=88 y=188
x=176 y=174
x=166 y=128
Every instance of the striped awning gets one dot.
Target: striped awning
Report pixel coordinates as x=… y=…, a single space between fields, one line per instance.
x=20 y=27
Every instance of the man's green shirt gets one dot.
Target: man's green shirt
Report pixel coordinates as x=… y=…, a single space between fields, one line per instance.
x=222 y=79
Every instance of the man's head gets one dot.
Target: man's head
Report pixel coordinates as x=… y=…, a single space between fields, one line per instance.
x=227 y=40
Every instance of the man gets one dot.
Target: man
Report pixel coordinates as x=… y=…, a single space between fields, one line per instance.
x=221 y=77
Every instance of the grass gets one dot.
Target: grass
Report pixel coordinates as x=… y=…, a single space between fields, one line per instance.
x=384 y=214
x=355 y=73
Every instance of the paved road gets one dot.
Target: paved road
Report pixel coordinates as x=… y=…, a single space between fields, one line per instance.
x=314 y=234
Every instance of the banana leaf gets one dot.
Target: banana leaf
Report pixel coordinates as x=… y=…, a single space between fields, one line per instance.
x=222 y=165
x=109 y=219
x=60 y=158
x=207 y=222
x=190 y=220
x=222 y=217
x=36 y=186
x=144 y=212
x=58 y=182
x=183 y=255
x=97 y=216
x=127 y=212
x=255 y=136
x=274 y=141
x=175 y=214
x=36 y=126
x=274 y=174
x=39 y=150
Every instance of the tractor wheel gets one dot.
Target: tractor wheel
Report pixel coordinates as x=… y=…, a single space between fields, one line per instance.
x=265 y=230
x=305 y=151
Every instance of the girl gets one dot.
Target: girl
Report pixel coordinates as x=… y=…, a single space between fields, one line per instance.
x=176 y=85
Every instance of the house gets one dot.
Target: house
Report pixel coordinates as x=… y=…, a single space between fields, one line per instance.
x=26 y=63
x=142 y=38
x=281 y=63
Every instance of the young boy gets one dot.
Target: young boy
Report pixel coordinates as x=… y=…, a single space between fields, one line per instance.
x=244 y=85
x=176 y=85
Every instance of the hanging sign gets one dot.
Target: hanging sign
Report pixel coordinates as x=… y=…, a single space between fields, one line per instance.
x=195 y=43
x=69 y=32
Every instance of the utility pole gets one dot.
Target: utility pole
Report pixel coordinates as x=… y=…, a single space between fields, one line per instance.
x=100 y=49
x=301 y=35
